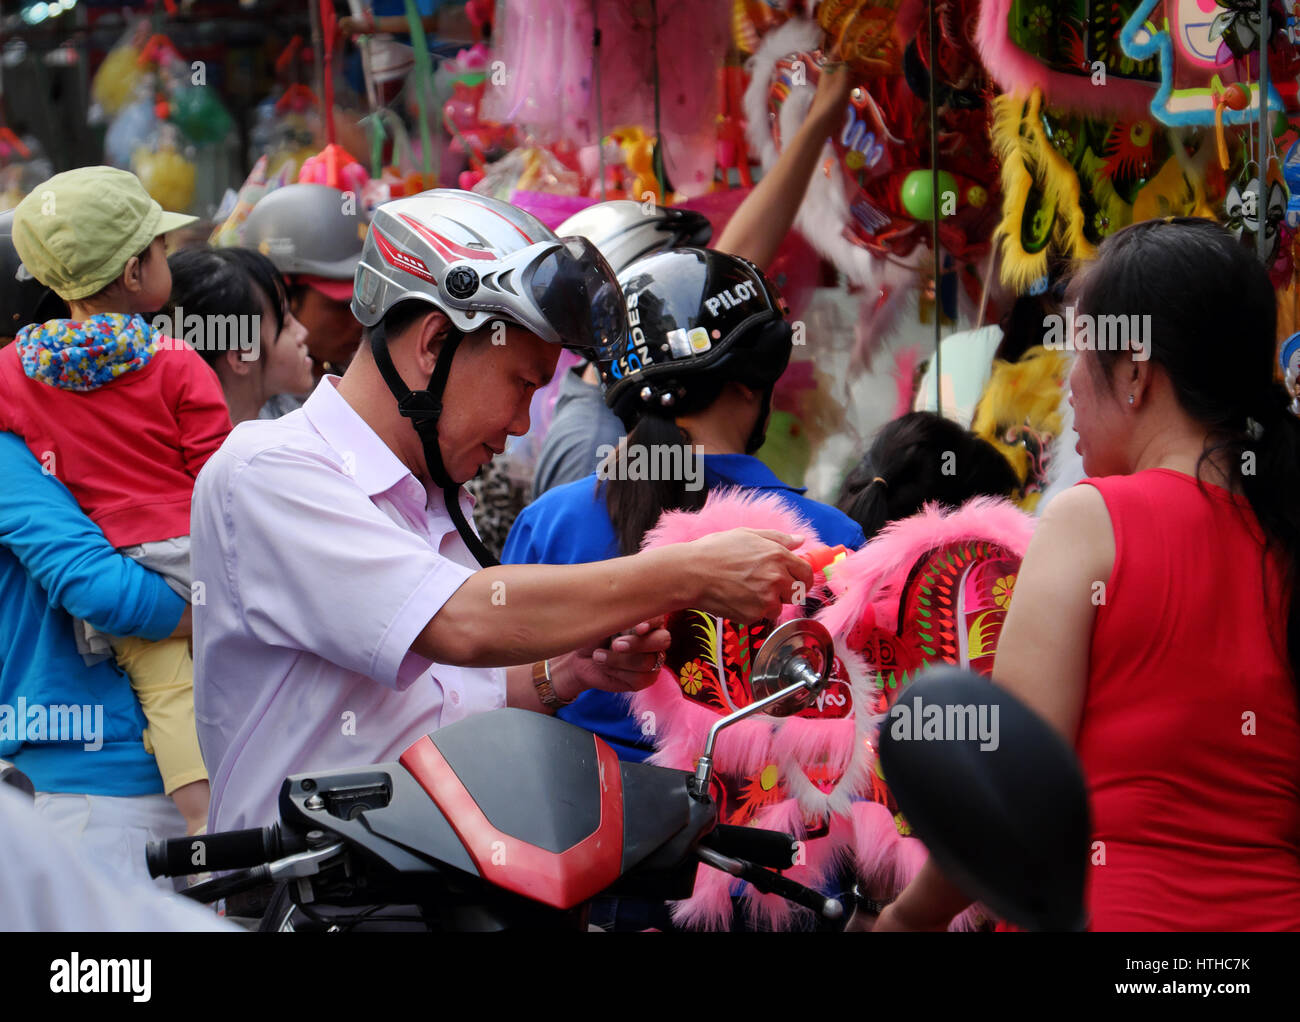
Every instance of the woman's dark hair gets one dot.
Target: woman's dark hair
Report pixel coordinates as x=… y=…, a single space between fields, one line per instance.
x=224 y=282
x=918 y=458
x=635 y=504
x=1213 y=330
x=1024 y=324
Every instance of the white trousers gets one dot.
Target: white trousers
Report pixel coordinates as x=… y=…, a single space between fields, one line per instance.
x=113 y=831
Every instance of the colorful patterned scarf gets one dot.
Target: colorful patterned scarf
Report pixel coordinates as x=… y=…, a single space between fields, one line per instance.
x=85 y=356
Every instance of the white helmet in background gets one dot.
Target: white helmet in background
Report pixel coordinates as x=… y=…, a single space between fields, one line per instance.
x=307 y=229
x=624 y=231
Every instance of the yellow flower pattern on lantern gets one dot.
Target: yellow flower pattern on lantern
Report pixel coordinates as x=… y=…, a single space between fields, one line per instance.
x=1002 y=590
x=691 y=678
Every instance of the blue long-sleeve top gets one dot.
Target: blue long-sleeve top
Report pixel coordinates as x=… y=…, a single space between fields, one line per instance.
x=55 y=564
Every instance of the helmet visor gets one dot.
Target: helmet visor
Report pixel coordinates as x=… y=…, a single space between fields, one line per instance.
x=578 y=297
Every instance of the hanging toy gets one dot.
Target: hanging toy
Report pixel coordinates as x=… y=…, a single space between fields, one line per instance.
x=1234 y=97
x=1291 y=175
x=333 y=166
x=117 y=77
x=166 y=173
x=638 y=150
x=1289 y=359
x=1242 y=215
x=1191 y=74
x=198 y=111
x=862 y=32
x=130 y=128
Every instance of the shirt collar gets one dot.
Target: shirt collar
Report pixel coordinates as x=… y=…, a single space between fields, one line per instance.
x=746 y=470
x=371 y=461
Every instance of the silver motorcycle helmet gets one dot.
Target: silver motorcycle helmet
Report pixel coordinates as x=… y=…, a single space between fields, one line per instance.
x=624 y=230
x=308 y=229
x=477 y=259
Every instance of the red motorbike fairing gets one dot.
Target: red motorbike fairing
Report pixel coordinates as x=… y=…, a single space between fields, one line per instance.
x=561 y=879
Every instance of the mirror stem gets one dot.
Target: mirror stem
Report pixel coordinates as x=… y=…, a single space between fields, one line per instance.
x=808 y=679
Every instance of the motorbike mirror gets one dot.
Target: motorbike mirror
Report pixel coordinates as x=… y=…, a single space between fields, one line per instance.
x=999 y=799
x=790 y=668
x=798 y=652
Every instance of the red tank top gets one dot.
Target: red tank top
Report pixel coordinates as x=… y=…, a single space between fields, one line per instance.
x=1190 y=735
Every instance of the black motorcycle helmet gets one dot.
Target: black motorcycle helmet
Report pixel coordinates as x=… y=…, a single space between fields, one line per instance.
x=22 y=302
x=697 y=319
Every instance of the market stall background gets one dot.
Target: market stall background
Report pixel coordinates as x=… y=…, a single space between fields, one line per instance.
x=986 y=146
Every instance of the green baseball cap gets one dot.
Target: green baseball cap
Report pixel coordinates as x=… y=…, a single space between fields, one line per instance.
x=76 y=232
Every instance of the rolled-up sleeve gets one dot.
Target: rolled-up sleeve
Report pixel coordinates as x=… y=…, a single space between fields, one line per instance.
x=316 y=566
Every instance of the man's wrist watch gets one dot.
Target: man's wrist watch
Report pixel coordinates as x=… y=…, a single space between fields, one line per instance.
x=546 y=686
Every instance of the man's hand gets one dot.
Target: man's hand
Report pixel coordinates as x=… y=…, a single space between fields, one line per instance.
x=746 y=574
x=629 y=663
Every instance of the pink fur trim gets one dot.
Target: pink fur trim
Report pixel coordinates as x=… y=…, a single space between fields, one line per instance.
x=875 y=575
x=1016 y=71
x=888 y=862
x=804 y=741
x=726 y=508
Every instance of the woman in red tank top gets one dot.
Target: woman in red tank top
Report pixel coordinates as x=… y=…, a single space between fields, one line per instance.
x=1153 y=622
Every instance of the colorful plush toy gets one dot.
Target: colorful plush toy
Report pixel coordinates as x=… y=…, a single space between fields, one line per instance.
x=1018 y=414
x=1189 y=47
x=933 y=588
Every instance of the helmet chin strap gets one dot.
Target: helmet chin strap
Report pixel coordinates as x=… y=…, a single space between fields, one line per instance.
x=424 y=408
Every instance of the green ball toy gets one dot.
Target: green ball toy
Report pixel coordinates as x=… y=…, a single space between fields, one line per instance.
x=918 y=196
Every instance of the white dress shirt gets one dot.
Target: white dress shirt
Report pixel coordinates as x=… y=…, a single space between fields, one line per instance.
x=318 y=559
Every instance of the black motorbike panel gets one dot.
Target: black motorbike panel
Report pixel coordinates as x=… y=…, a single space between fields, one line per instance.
x=409 y=825
x=656 y=806
x=416 y=823
x=534 y=777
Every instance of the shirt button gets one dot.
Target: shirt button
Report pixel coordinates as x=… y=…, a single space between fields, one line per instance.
x=455 y=699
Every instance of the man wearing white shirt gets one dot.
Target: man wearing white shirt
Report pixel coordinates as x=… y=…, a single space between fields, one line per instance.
x=340 y=608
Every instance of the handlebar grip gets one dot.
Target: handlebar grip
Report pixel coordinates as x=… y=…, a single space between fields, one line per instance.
x=768 y=848
x=828 y=908
x=202 y=853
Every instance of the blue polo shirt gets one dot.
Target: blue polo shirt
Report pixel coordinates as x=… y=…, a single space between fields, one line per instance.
x=570 y=525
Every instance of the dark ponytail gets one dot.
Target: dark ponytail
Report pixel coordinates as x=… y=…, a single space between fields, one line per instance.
x=918 y=458
x=636 y=504
x=1213 y=317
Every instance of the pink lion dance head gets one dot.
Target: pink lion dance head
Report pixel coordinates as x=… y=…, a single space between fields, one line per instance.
x=932 y=588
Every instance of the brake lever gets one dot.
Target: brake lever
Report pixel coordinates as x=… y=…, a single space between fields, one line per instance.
x=303 y=864
x=291 y=867
x=769 y=882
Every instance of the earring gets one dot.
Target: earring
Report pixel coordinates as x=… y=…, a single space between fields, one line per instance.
x=1130 y=399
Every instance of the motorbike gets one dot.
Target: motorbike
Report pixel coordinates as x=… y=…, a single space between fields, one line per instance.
x=505 y=820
